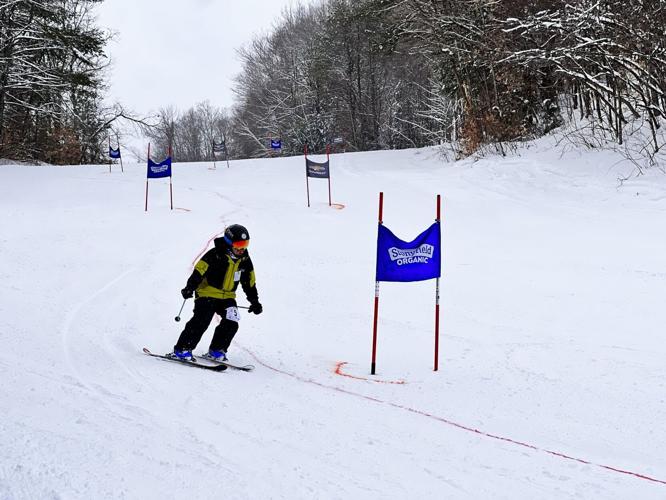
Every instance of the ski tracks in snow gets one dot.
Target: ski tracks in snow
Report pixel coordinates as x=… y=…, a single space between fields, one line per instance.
x=95 y=379
x=66 y=331
x=127 y=406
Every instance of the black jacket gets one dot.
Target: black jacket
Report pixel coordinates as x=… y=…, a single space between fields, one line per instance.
x=218 y=273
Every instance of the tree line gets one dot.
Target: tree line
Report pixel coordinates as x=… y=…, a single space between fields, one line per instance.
x=471 y=73
x=380 y=74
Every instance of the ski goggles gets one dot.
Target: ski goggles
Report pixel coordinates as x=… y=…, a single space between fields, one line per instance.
x=240 y=245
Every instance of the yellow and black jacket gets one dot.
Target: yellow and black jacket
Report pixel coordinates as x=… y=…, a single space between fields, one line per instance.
x=217 y=274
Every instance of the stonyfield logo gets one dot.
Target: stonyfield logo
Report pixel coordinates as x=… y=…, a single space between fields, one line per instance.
x=420 y=255
x=158 y=169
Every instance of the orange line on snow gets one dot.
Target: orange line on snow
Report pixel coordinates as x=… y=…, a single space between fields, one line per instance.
x=451 y=423
x=338 y=371
x=205 y=248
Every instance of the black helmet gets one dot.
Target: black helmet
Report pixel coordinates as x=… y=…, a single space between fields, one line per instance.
x=236 y=236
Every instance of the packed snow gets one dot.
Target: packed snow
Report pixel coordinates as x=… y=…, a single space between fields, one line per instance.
x=551 y=380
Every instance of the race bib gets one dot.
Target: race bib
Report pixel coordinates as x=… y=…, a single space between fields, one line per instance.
x=232 y=314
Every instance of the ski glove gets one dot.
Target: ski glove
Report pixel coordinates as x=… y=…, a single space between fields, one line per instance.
x=255 y=308
x=187 y=293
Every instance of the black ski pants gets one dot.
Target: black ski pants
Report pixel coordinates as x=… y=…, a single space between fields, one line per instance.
x=204 y=310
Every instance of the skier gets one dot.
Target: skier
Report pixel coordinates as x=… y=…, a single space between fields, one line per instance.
x=214 y=281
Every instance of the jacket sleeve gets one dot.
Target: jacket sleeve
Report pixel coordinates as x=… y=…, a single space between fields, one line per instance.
x=248 y=282
x=199 y=272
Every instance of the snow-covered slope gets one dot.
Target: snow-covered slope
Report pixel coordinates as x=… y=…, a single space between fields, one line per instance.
x=552 y=374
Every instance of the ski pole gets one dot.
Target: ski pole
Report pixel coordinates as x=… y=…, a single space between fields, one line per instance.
x=177 y=318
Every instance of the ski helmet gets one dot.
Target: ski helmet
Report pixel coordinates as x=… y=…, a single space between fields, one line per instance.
x=237 y=237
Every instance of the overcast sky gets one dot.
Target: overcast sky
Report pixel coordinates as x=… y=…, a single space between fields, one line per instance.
x=180 y=52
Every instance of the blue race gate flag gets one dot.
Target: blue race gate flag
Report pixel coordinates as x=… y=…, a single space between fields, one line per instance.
x=317 y=170
x=157 y=170
x=114 y=153
x=219 y=147
x=416 y=260
x=276 y=144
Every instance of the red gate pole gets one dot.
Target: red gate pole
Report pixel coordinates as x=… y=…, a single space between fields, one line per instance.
x=374 y=327
x=226 y=151
x=122 y=170
x=307 y=183
x=329 y=173
x=437 y=289
x=214 y=157
x=170 y=183
x=147 y=178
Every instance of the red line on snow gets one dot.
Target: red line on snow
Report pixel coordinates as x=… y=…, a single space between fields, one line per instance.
x=451 y=423
x=204 y=249
x=338 y=371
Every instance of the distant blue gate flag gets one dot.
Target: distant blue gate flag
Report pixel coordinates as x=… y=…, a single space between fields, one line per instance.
x=114 y=153
x=219 y=147
x=416 y=260
x=317 y=170
x=157 y=170
x=276 y=143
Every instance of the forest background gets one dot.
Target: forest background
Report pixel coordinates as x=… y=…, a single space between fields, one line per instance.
x=475 y=76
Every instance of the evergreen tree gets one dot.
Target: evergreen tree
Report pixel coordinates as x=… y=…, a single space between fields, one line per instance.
x=51 y=59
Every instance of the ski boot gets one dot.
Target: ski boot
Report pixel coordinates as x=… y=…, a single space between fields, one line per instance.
x=184 y=355
x=216 y=355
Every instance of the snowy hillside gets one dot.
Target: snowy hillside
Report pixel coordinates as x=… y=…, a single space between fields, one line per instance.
x=552 y=380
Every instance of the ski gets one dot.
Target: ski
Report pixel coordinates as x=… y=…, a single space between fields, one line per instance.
x=243 y=368
x=194 y=364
